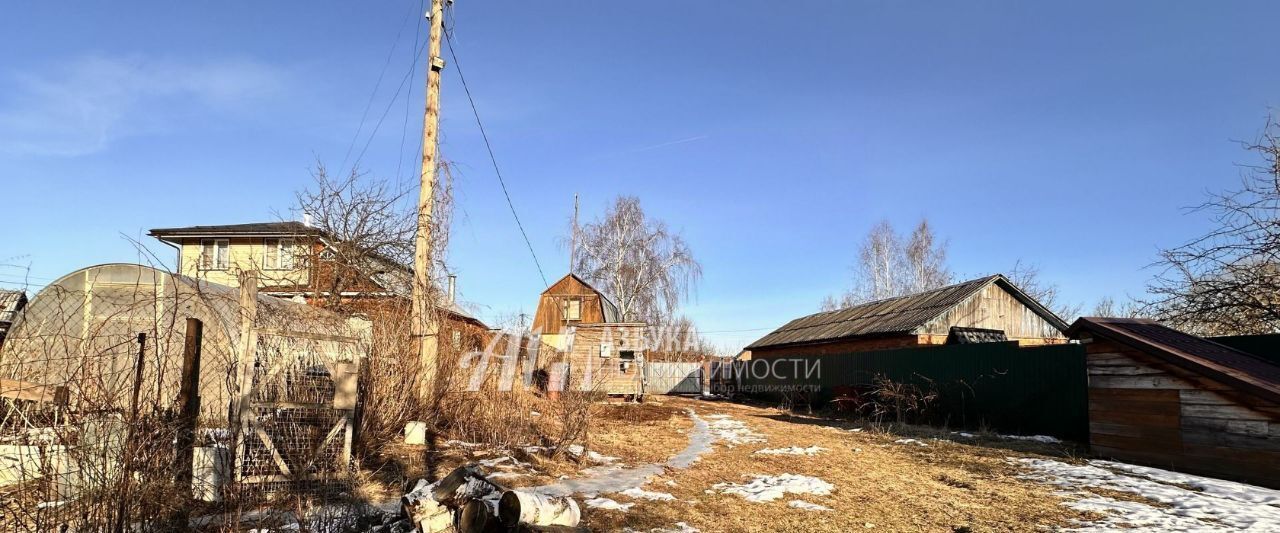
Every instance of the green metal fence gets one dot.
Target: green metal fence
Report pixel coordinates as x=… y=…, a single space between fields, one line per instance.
x=1040 y=390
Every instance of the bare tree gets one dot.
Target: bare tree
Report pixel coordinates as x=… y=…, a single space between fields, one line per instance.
x=368 y=227
x=1108 y=307
x=1227 y=281
x=1026 y=276
x=637 y=261
x=887 y=268
x=926 y=260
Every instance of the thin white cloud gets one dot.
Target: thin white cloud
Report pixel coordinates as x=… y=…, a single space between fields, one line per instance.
x=81 y=106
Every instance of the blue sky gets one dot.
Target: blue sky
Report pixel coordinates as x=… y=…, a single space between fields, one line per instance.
x=772 y=136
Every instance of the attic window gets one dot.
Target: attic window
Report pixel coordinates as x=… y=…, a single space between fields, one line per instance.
x=214 y=254
x=572 y=309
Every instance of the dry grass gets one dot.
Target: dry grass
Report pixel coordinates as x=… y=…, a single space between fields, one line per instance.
x=879 y=484
x=945 y=486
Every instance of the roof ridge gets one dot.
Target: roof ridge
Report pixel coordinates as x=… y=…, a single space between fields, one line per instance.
x=914 y=294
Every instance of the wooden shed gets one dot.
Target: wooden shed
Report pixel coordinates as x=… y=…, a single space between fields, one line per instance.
x=608 y=358
x=1164 y=398
x=990 y=305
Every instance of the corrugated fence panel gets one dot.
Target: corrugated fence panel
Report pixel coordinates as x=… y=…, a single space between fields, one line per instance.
x=1040 y=390
x=673 y=378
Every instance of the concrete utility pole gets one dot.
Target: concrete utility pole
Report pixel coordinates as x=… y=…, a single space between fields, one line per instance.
x=424 y=323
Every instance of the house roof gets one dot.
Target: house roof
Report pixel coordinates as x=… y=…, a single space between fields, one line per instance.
x=255 y=229
x=610 y=309
x=387 y=273
x=1197 y=354
x=903 y=314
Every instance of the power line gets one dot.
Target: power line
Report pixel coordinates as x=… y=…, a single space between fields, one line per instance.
x=368 y=105
x=408 y=97
x=488 y=146
x=386 y=111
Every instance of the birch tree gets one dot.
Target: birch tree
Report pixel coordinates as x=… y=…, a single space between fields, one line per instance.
x=646 y=270
x=887 y=267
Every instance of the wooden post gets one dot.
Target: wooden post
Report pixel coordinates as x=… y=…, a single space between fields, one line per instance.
x=244 y=364
x=137 y=377
x=424 y=325
x=188 y=410
x=126 y=459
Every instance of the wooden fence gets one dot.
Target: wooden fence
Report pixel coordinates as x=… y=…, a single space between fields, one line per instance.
x=1033 y=390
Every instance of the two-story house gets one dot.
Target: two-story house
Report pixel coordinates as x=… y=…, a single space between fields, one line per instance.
x=295 y=260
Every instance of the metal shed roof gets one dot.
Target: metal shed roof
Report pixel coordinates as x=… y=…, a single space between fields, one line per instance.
x=903 y=314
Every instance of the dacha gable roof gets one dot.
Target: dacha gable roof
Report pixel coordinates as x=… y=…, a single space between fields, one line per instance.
x=610 y=309
x=899 y=315
x=1199 y=355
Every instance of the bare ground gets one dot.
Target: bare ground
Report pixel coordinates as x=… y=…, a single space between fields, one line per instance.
x=945 y=485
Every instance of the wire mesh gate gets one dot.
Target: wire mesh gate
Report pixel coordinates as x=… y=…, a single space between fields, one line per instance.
x=298 y=423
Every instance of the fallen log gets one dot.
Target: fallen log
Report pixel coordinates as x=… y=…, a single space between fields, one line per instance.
x=518 y=507
x=423 y=511
x=479 y=516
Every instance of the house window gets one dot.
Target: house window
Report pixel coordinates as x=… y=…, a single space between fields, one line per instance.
x=626 y=358
x=572 y=309
x=455 y=337
x=215 y=254
x=277 y=254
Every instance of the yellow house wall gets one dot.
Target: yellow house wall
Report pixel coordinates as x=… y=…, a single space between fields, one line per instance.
x=243 y=254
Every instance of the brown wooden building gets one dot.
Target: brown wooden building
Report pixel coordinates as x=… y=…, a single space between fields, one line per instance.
x=991 y=308
x=580 y=327
x=1164 y=398
x=567 y=303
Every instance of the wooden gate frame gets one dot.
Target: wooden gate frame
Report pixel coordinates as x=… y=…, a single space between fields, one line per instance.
x=344 y=376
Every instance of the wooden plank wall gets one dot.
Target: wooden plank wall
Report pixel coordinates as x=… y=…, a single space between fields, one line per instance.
x=606 y=374
x=995 y=308
x=1144 y=410
x=548 y=320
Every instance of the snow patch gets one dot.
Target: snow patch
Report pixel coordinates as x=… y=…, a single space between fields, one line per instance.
x=801 y=504
x=770 y=488
x=1214 y=504
x=577 y=450
x=1033 y=438
x=733 y=432
x=641 y=494
x=793 y=450
x=600 y=502
x=911 y=441
x=618 y=479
